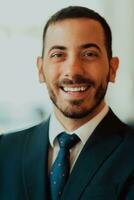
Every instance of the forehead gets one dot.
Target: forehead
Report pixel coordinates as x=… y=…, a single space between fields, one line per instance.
x=74 y=32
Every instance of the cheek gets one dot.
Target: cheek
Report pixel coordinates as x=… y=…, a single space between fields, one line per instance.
x=101 y=78
x=51 y=72
x=51 y=78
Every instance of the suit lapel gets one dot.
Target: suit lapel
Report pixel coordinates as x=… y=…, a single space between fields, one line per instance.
x=35 y=159
x=105 y=139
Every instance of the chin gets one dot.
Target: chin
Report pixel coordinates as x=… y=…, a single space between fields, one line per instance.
x=76 y=113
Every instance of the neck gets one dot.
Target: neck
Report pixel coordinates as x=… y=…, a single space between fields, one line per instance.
x=71 y=124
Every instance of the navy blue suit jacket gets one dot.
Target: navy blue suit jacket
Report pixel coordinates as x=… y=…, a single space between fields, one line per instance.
x=104 y=169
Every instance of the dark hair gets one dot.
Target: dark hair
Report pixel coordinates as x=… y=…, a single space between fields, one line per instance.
x=73 y=12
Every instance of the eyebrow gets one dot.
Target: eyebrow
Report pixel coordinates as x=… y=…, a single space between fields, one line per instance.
x=83 y=46
x=90 y=45
x=57 y=47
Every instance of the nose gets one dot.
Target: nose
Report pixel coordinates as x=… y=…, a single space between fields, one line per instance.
x=73 y=66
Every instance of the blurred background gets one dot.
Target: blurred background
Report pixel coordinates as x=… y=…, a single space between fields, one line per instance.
x=23 y=101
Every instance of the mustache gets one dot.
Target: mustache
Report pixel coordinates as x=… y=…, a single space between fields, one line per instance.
x=77 y=79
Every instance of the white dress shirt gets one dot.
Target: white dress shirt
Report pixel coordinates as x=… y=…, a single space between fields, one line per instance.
x=84 y=132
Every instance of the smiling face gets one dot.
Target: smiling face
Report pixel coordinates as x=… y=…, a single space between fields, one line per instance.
x=76 y=68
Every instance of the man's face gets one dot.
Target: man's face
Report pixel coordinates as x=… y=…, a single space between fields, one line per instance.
x=75 y=67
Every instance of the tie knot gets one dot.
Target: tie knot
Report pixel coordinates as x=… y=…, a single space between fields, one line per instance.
x=67 y=141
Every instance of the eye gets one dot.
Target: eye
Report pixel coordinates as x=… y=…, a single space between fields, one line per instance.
x=89 y=54
x=56 y=55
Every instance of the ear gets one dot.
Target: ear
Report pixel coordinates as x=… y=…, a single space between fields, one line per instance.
x=40 y=69
x=114 y=63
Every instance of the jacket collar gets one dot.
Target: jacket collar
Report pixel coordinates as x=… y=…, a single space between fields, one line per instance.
x=104 y=140
x=35 y=159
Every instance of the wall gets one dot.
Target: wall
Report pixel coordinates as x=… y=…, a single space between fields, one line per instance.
x=23 y=101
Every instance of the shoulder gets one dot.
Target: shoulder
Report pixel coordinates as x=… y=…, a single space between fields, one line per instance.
x=125 y=131
x=128 y=135
x=112 y=125
x=13 y=145
x=19 y=137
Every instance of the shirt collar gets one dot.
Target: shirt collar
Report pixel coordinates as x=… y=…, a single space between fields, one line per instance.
x=83 y=132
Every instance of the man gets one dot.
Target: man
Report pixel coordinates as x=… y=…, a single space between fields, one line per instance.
x=77 y=66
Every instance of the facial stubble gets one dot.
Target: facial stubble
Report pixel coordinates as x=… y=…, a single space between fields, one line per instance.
x=74 y=109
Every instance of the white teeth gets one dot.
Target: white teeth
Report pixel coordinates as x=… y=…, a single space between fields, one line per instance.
x=76 y=89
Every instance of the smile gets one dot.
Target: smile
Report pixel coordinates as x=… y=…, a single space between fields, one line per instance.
x=75 y=89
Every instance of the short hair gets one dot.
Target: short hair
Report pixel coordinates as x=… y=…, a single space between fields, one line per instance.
x=74 y=12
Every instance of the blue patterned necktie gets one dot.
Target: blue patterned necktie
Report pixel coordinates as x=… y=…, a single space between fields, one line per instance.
x=60 y=169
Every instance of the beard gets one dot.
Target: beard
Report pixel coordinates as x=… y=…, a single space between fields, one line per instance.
x=75 y=108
